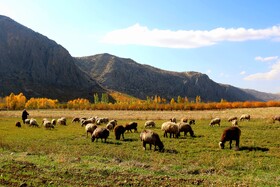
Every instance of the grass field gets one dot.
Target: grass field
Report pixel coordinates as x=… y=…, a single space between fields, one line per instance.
x=66 y=157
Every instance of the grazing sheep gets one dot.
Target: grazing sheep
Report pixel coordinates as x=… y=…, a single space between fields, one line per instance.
x=84 y=122
x=152 y=138
x=119 y=131
x=150 y=123
x=276 y=118
x=53 y=122
x=75 y=120
x=33 y=123
x=27 y=121
x=130 y=126
x=229 y=134
x=111 y=125
x=215 y=121
x=245 y=117
x=186 y=128
x=173 y=120
x=90 y=127
x=47 y=124
x=234 y=123
x=18 y=124
x=101 y=133
x=99 y=121
x=61 y=121
x=184 y=119
x=171 y=128
x=232 y=118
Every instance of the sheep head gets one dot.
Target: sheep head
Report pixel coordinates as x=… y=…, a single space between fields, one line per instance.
x=221 y=145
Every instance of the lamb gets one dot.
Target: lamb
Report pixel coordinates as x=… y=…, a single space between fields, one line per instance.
x=101 y=133
x=171 y=128
x=111 y=125
x=150 y=123
x=234 y=123
x=90 y=127
x=186 y=128
x=232 y=118
x=152 y=138
x=119 y=131
x=245 y=117
x=229 y=134
x=276 y=118
x=215 y=121
x=61 y=121
x=173 y=120
x=33 y=123
x=18 y=124
x=130 y=126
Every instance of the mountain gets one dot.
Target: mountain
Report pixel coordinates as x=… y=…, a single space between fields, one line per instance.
x=127 y=76
x=38 y=67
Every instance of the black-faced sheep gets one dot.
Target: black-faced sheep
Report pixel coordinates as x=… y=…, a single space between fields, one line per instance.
x=192 y=122
x=47 y=124
x=186 y=128
x=130 y=126
x=245 y=117
x=90 y=127
x=61 y=121
x=119 y=131
x=230 y=134
x=111 y=125
x=33 y=123
x=276 y=118
x=171 y=128
x=150 y=123
x=152 y=138
x=18 y=124
x=101 y=133
x=232 y=118
x=215 y=121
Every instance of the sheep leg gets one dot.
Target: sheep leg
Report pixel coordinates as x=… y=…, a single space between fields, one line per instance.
x=144 y=145
x=237 y=143
x=230 y=144
x=122 y=136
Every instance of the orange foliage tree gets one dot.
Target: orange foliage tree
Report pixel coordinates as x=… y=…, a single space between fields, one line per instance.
x=14 y=102
x=41 y=103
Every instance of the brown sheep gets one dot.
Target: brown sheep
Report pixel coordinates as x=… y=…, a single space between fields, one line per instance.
x=119 y=131
x=186 y=128
x=18 y=124
x=150 y=123
x=75 y=120
x=152 y=138
x=229 y=134
x=61 y=121
x=171 y=128
x=90 y=127
x=276 y=118
x=245 y=117
x=130 y=126
x=101 y=133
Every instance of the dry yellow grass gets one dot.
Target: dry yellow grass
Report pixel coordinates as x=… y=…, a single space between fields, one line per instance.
x=259 y=113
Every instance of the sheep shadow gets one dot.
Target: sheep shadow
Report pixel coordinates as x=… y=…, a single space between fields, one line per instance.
x=171 y=151
x=130 y=139
x=111 y=142
x=253 y=148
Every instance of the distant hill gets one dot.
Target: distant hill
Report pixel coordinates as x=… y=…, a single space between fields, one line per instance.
x=127 y=76
x=38 y=67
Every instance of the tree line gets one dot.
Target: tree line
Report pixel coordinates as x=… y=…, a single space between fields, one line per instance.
x=17 y=102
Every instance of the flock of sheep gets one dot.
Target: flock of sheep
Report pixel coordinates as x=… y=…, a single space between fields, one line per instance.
x=147 y=136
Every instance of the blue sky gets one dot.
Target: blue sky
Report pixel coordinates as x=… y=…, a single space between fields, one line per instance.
x=234 y=42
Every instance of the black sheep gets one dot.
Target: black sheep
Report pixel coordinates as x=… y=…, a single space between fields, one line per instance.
x=130 y=126
x=229 y=134
x=119 y=131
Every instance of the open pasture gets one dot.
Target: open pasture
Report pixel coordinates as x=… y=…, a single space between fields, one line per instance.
x=64 y=156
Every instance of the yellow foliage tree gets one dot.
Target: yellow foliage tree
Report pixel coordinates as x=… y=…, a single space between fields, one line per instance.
x=15 y=102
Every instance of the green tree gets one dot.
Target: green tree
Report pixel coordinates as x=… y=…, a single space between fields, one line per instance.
x=96 y=98
x=104 y=98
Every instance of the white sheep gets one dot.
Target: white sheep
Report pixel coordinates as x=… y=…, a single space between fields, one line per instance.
x=90 y=127
x=232 y=118
x=150 y=123
x=245 y=117
x=234 y=123
x=33 y=123
x=47 y=124
x=276 y=118
x=171 y=128
x=61 y=121
x=173 y=120
x=215 y=121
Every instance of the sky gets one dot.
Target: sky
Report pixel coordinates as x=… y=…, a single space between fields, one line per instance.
x=234 y=42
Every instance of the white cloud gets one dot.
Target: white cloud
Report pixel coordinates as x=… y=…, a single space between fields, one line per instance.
x=273 y=74
x=266 y=59
x=142 y=35
x=242 y=72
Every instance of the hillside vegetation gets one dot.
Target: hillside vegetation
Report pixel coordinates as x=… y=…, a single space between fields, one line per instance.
x=64 y=156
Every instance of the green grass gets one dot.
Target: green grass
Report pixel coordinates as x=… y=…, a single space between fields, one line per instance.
x=66 y=157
